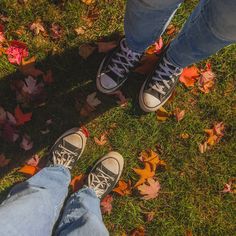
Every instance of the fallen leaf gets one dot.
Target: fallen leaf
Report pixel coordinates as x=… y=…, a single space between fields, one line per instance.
x=162 y=114
x=123 y=188
x=3 y=161
x=206 y=80
x=29 y=170
x=88 y=2
x=26 y=143
x=56 y=31
x=156 y=47
x=179 y=114
x=144 y=174
x=48 y=78
x=28 y=67
x=106 y=206
x=189 y=76
x=77 y=182
x=22 y=118
x=188 y=232
x=102 y=140
x=140 y=231
x=85 y=50
x=184 y=136
x=104 y=47
x=80 y=30
x=31 y=86
x=147 y=64
x=33 y=161
x=37 y=27
x=171 y=29
x=202 y=147
x=149 y=216
x=149 y=190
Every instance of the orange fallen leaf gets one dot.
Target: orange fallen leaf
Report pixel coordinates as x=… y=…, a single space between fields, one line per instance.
x=77 y=182
x=189 y=76
x=150 y=189
x=162 y=114
x=184 y=136
x=22 y=118
x=140 y=231
x=171 y=29
x=179 y=114
x=123 y=188
x=88 y=2
x=144 y=174
x=29 y=170
x=102 y=140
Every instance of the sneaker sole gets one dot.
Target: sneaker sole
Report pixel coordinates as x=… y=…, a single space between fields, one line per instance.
x=73 y=131
x=146 y=108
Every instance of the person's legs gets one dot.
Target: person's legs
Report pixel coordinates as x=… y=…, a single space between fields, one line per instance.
x=82 y=214
x=146 y=20
x=211 y=26
x=33 y=206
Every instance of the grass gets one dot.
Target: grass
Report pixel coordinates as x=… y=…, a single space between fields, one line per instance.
x=191 y=184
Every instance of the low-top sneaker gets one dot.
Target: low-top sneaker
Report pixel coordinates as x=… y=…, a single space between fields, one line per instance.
x=115 y=67
x=68 y=148
x=159 y=86
x=105 y=174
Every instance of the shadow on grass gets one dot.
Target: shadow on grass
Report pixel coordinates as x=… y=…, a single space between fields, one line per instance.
x=74 y=79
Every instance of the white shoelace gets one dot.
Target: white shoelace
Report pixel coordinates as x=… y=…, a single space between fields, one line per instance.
x=159 y=82
x=119 y=66
x=100 y=182
x=63 y=157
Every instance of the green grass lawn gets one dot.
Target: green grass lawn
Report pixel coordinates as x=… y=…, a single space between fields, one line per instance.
x=190 y=197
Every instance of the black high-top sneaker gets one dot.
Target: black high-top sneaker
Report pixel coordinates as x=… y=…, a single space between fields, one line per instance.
x=159 y=86
x=115 y=67
x=68 y=148
x=105 y=174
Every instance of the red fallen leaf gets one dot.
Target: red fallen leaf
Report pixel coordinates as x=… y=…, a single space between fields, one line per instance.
x=34 y=160
x=48 y=79
x=3 y=161
x=123 y=188
x=29 y=170
x=102 y=140
x=104 y=47
x=147 y=64
x=56 y=31
x=28 y=67
x=16 y=52
x=77 y=182
x=106 y=206
x=179 y=114
x=150 y=190
x=22 y=118
x=230 y=187
x=26 y=143
x=9 y=133
x=189 y=76
x=140 y=231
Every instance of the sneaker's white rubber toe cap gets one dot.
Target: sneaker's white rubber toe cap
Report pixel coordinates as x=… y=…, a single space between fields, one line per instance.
x=107 y=82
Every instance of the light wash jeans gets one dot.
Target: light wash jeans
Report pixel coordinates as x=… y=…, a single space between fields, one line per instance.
x=33 y=207
x=210 y=27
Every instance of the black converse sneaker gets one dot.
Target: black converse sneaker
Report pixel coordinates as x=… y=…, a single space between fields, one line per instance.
x=105 y=174
x=68 y=148
x=114 y=69
x=159 y=86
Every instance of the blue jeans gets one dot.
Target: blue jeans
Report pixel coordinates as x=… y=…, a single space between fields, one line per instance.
x=33 y=207
x=210 y=27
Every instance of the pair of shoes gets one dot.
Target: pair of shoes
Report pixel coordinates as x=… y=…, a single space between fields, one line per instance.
x=158 y=86
x=69 y=147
